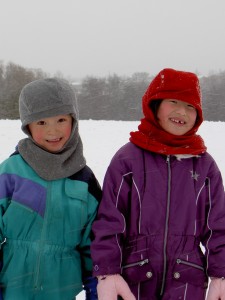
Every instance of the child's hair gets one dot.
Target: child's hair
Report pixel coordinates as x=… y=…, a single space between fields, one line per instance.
x=46 y=98
x=154 y=105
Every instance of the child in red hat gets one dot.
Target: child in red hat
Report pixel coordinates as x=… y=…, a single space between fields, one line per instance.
x=163 y=202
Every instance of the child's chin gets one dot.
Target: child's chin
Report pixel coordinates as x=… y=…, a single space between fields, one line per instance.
x=53 y=149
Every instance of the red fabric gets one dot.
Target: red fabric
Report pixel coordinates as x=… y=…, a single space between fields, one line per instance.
x=170 y=84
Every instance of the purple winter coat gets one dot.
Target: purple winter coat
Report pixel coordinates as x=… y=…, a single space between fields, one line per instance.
x=155 y=212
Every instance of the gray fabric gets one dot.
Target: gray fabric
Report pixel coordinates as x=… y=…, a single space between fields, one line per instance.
x=42 y=99
x=46 y=98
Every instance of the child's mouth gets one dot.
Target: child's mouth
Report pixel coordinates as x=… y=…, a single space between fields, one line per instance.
x=54 y=140
x=177 y=121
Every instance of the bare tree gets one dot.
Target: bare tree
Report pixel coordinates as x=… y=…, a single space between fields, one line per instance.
x=13 y=77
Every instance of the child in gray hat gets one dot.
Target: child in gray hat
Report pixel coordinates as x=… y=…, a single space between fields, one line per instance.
x=48 y=201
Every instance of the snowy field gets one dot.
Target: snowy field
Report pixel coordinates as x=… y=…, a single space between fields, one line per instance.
x=102 y=138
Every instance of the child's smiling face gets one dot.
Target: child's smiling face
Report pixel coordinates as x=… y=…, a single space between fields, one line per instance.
x=176 y=117
x=52 y=133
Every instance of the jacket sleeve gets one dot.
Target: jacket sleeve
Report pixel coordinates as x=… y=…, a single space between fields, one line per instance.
x=214 y=237
x=7 y=185
x=110 y=225
x=6 y=190
x=94 y=194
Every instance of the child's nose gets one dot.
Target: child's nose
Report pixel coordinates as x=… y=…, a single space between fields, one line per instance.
x=181 y=109
x=51 y=129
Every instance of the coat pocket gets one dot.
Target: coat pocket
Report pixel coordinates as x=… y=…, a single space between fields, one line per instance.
x=190 y=272
x=136 y=269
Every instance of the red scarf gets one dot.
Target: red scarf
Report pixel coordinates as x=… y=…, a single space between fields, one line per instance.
x=155 y=139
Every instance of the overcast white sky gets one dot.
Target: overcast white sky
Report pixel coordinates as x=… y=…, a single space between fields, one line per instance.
x=103 y=37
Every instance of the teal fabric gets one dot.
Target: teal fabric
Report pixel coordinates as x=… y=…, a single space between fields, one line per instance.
x=47 y=227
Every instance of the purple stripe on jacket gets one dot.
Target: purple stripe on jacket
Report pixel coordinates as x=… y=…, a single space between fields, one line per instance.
x=23 y=191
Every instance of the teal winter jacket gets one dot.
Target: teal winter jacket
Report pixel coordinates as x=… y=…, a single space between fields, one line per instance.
x=45 y=229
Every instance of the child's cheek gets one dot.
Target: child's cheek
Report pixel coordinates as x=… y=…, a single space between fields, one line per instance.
x=38 y=136
x=68 y=132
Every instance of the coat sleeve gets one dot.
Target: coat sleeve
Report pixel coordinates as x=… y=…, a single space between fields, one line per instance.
x=214 y=237
x=94 y=195
x=110 y=226
x=6 y=190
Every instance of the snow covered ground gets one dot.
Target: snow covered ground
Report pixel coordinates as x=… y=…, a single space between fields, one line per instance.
x=101 y=139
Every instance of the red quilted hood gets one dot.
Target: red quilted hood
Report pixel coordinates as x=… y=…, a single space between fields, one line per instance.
x=173 y=84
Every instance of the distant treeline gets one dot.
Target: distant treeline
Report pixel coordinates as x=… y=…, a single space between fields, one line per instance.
x=107 y=98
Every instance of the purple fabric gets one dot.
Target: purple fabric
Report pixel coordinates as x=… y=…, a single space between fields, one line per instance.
x=152 y=218
x=23 y=191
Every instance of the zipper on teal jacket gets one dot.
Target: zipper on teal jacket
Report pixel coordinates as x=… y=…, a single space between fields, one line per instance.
x=43 y=237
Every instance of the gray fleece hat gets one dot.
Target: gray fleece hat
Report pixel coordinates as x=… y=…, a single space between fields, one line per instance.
x=46 y=98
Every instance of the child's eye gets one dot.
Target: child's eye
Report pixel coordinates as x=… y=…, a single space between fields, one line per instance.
x=61 y=120
x=41 y=123
x=191 y=106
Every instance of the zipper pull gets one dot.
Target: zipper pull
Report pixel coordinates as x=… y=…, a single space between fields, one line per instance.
x=168 y=158
x=143 y=262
